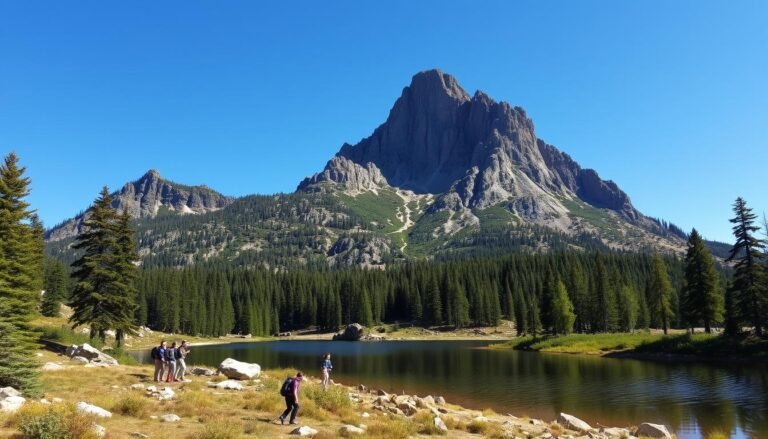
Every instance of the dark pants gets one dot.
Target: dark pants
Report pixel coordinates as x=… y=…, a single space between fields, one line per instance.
x=292 y=407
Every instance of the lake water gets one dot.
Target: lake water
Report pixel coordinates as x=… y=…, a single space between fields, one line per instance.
x=691 y=398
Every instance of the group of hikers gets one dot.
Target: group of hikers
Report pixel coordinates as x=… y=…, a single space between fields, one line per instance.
x=170 y=361
x=290 y=390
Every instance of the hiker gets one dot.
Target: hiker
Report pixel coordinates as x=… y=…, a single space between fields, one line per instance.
x=158 y=355
x=170 y=360
x=326 y=367
x=181 y=355
x=290 y=390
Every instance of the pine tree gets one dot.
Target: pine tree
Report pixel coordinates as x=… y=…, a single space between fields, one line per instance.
x=562 y=311
x=103 y=295
x=125 y=305
x=433 y=312
x=702 y=297
x=749 y=291
x=661 y=291
x=55 y=286
x=21 y=278
x=628 y=309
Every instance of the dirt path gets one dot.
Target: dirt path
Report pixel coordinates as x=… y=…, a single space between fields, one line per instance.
x=408 y=222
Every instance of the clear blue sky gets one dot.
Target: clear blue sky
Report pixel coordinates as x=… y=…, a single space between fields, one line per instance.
x=667 y=98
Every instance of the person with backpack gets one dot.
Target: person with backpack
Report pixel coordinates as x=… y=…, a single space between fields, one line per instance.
x=325 y=368
x=170 y=360
x=290 y=390
x=158 y=355
x=181 y=364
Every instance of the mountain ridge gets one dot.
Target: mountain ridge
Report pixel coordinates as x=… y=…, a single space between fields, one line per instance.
x=146 y=197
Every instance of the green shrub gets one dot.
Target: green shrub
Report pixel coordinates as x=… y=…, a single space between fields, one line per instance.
x=38 y=421
x=219 y=430
x=132 y=405
x=65 y=335
x=335 y=399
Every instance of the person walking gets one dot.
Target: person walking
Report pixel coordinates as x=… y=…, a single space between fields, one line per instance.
x=181 y=364
x=290 y=391
x=158 y=355
x=325 y=368
x=170 y=360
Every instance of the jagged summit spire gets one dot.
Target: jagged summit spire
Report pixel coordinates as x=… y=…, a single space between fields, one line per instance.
x=152 y=174
x=435 y=82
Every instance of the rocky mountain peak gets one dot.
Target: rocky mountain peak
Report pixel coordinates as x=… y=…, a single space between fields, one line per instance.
x=473 y=152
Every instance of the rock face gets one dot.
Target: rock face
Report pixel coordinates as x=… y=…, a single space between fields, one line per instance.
x=147 y=197
x=352 y=332
x=653 y=430
x=238 y=370
x=473 y=151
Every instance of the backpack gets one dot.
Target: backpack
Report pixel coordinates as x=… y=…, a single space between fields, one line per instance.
x=287 y=387
x=178 y=354
x=153 y=353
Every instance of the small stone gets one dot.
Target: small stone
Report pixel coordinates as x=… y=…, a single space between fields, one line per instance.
x=99 y=430
x=440 y=424
x=39 y=354
x=11 y=404
x=480 y=419
x=166 y=394
x=304 y=431
x=152 y=389
x=440 y=400
x=227 y=385
x=8 y=391
x=170 y=417
x=57 y=400
x=351 y=429
x=51 y=367
x=45 y=402
x=365 y=415
x=137 y=386
x=202 y=371
x=84 y=407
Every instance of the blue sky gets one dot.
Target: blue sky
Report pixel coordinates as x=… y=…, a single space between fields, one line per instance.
x=668 y=99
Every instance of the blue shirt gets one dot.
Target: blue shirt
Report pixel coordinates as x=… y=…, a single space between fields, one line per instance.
x=326 y=364
x=160 y=353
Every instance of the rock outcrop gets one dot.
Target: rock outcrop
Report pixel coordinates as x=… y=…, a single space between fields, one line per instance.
x=239 y=370
x=89 y=409
x=352 y=332
x=573 y=423
x=148 y=197
x=91 y=354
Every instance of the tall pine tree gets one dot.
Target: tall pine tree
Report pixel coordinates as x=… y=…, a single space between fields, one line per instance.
x=661 y=293
x=749 y=289
x=702 y=298
x=21 y=278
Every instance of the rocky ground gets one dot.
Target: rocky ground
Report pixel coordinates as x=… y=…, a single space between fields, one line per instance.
x=118 y=401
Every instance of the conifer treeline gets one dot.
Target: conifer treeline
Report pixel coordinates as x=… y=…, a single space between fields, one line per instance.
x=604 y=292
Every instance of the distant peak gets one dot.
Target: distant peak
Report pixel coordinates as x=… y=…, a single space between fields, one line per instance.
x=435 y=81
x=152 y=174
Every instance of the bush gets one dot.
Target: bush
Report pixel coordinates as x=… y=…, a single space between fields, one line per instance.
x=393 y=428
x=132 y=405
x=65 y=335
x=335 y=399
x=219 y=430
x=38 y=421
x=426 y=424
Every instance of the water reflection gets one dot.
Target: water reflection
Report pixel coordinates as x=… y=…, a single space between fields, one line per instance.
x=693 y=399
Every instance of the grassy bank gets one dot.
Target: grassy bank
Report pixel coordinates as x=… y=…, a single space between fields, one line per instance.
x=644 y=344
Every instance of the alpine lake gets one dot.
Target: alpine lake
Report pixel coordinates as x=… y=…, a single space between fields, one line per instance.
x=692 y=398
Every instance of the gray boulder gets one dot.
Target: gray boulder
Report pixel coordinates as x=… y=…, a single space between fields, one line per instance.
x=353 y=332
x=304 y=431
x=203 y=371
x=5 y=392
x=573 y=423
x=653 y=430
x=91 y=354
x=170 y=417
x=238 y=370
